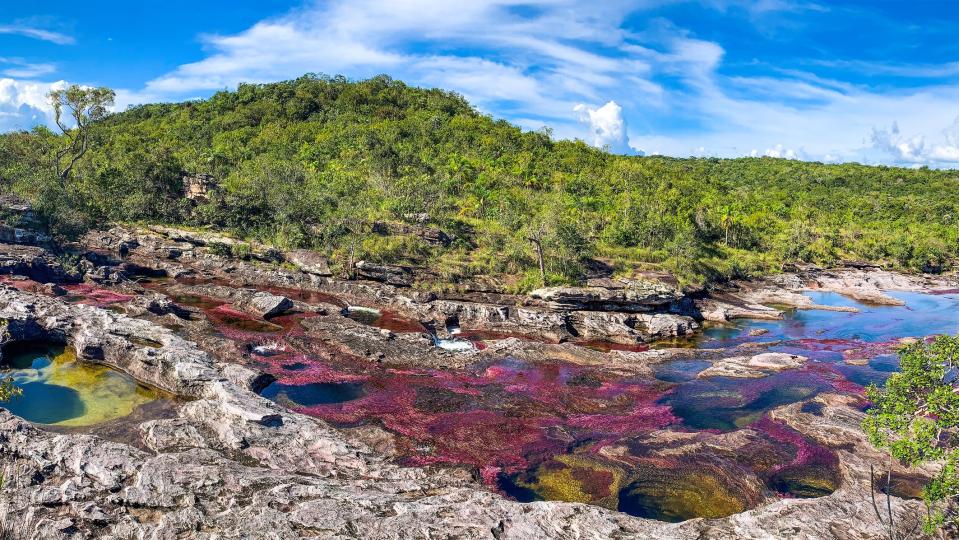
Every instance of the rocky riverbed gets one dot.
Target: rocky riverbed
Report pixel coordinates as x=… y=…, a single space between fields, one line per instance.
x=303 y=405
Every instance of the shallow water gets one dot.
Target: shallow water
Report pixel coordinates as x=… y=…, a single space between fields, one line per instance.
x=555 y=430
x=827 y=338
x=312 y=394
x=59 y=390
x=923 y=314
x=385 y=319
x=728 y=403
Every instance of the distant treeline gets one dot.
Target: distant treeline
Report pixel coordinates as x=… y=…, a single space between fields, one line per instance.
x=315 y=161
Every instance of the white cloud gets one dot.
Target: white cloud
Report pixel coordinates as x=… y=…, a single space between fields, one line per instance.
x=29 y=71
x=37 y=33
x=607 y=126
x=914 y=149
x=24 y=104
x=538 y=62
x=779 y=151
x=22 y=69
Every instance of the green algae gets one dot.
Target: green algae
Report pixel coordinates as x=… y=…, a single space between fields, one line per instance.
x=575 y=478
x=58 y=390
x=805 y=481
x=679 y=494
x=667 y=493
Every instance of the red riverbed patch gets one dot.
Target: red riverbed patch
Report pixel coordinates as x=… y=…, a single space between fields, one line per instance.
x=90 y=294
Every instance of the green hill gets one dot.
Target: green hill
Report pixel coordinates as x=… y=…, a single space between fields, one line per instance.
x=317 y=161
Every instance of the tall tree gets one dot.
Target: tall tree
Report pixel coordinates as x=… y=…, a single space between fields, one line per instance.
x=81 y=106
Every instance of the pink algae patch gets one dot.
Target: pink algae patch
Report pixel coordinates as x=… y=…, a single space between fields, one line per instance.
x=836 y=380
x=942 y=292
x=826 y=345
x=869 y=350
x=807 y=451
x=95 y=296
x=509 y=416
x=20 y=284
x=606 y=346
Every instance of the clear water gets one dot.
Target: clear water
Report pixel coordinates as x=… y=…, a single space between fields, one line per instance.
x=825 y=337
x=312 y=394
x=680 y=370
x=923 y=315
x=555 y=430
x=58 y=390
x=729 y=403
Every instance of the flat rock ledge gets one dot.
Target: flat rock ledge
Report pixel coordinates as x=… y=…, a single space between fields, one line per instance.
x=231 y=464
x=758 y=365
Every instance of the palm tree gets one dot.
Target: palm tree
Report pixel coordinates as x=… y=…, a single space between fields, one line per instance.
x=727 y=221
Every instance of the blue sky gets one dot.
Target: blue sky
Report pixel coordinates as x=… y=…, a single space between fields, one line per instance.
x=874 y=82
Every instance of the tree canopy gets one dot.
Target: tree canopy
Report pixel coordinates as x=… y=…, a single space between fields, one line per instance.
x=308 y=162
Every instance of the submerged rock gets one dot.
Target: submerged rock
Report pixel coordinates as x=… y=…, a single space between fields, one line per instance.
x=753 y=366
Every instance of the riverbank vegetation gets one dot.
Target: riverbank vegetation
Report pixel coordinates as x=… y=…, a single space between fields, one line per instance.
x=915 y=416
x=317 y=161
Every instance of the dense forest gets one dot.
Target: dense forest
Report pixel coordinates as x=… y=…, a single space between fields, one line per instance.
x=317 y=161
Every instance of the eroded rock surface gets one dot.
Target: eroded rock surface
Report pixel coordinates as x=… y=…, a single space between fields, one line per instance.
x=615 y=295
x=753 y=366
x=231 y=464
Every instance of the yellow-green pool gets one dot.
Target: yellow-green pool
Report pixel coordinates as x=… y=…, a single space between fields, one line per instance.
x=58 y=390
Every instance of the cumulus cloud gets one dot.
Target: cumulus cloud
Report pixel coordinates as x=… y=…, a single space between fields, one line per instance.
x=904 y=149
x=914 y=150
x=778 y=151
x=23 y=104
x=607 y=126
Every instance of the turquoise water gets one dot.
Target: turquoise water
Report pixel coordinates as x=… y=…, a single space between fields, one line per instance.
x=59 y=390
x=825 y=337
x=923 y=315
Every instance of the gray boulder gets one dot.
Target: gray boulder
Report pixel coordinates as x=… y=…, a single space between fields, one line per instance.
x=618 y=295
x=310 y=262
x=401 y=276
x=264 y=304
